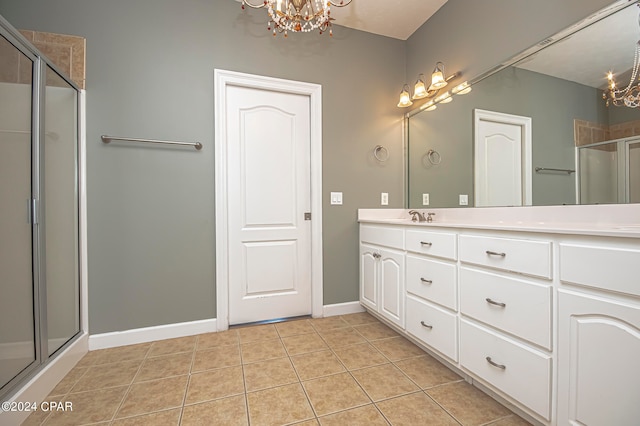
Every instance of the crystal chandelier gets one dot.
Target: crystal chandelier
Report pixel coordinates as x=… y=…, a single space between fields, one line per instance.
x=298 y=16
x=630 y=95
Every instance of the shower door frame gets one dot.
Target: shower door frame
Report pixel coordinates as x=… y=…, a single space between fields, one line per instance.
x=40 y=376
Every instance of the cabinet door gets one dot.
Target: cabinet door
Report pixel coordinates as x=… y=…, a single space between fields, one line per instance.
x=368 y=276
x=392 y=286
x=598 y=351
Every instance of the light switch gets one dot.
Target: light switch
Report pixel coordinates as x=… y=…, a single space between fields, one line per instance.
x=425 y=199
x=336 y=198
x=464 y=200
x=384 y=198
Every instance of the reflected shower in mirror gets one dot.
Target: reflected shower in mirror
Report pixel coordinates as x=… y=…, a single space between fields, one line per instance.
x=558 y=87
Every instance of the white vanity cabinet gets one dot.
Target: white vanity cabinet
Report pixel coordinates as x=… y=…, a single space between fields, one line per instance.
x=382 y=271
x=546 y=319
x=506 y=317
x=599 y=333
x=431 y=283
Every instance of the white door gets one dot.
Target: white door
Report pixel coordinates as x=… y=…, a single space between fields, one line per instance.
x=502 y=159
x=268 y=172
x=268 y=142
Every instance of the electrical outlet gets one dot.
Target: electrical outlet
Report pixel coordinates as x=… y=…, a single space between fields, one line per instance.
x=384 y=199
x=464 y=200
x=425 y=199
x=336 y=198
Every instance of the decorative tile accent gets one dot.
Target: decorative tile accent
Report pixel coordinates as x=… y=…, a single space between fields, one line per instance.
x=67 y=52
x=586 y=132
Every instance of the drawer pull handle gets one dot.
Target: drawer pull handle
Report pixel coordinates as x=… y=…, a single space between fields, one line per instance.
x=425 y=281
x=493 y=302
x=494 y=253
x=424 y=243
x=426 y=325
x=495 y=364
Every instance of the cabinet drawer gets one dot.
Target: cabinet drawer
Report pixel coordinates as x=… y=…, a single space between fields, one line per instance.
x=522 y=256
x=432 y=280
x=516 y=306
x=432 y=325
x=520 y=372
x=382 y=235
x=440 y=244
x=601 y=267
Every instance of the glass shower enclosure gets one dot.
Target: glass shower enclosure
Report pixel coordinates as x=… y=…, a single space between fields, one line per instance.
x=609 y=172
x=39 y=219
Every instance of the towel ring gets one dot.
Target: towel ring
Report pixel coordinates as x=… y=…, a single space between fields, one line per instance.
x=381 y=153
x=434 y=157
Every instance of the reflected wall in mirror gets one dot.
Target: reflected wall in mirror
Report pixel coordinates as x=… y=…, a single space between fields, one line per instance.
x=559 y=87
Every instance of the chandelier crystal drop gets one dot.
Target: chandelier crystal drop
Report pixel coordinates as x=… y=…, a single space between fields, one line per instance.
x=298 y=16
x=630 y=95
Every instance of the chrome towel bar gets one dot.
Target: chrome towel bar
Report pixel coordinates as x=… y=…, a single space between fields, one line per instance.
x=107 y=139
x=543 y=169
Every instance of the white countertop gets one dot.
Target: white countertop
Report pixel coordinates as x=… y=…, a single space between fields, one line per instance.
x=600 y=220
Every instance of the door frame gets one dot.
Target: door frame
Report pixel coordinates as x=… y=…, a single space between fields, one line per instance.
x=525 y=150
x=222 y=79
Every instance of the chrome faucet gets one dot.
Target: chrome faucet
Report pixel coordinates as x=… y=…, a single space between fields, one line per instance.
x=429 y=218
x=417 y=216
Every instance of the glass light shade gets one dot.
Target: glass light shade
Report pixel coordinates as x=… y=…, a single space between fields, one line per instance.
x=405 y=99
x=461 y=89
x=437 y=81
x=419 y=91
x=444 y=99
x=429 y=106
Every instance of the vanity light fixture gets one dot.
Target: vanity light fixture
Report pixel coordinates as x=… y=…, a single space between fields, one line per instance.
x=298 y=16
x=420 y=91
x=405 y=99
x=630 y=95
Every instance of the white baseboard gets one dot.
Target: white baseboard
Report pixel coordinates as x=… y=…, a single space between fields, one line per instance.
x=150 y=334
x=342 y=309
x=37 y=389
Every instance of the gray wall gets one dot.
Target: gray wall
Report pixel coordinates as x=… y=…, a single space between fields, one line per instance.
x=552 y=104
x=150 y=74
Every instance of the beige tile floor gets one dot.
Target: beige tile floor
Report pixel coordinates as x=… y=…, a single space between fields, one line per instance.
x=343 y=370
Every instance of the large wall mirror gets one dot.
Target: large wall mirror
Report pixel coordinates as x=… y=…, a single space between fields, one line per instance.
x=536 y=130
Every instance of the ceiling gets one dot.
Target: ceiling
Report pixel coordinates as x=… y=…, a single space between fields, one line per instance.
x=392 y=18
x=586 y=56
